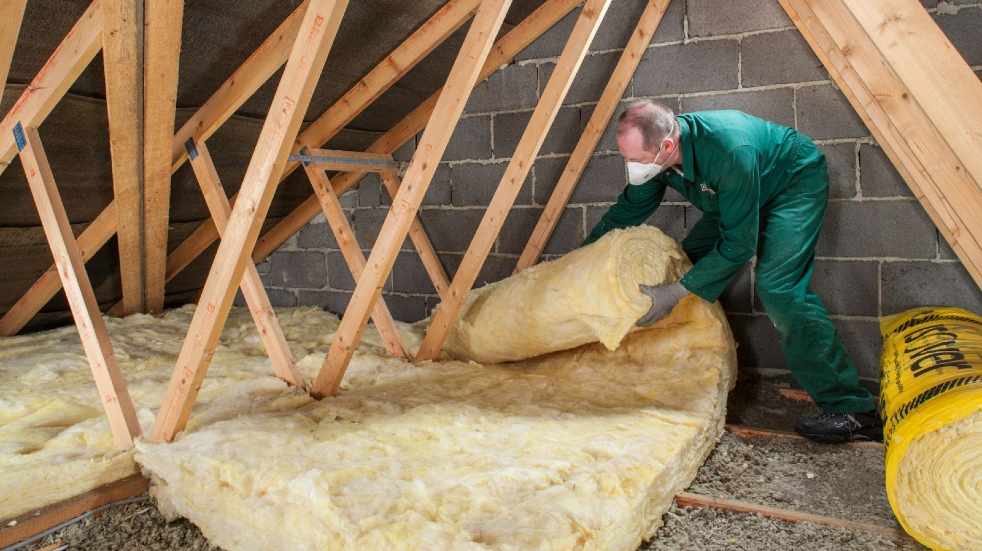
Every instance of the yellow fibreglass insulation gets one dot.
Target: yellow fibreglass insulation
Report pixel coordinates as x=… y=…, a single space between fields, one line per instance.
x=588 y=295
x=579 y=449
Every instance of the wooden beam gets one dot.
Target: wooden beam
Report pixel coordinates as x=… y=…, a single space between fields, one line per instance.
x=911 y=140
x=92 y=238
x=599 y=119
x=505 y=49
x=31 y=524
x=307 y=56
x=239 y=87
x=162 y=53
x=122 y=55
x=516 y=40
x=518 y=168
x=450 y=105
x=72 y=56
x=353 y=257
x=11 y=16
x=420 y=239
x=253 y=291
x=78 y=289
x=686 y=499
x=346 y=161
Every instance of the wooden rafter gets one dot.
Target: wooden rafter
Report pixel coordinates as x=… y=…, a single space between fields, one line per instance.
x=307 y=56
x=891 y=101
x=253 y=291
x=353 y=257
x=347 y=161
x=420 y=239
x=162 y=51
x=122 y=54
x=11 y=16
x=450 y=105
x=72 y=56
x=595 y=127
x=78 y=289
x=511 y=181
x=505 y=49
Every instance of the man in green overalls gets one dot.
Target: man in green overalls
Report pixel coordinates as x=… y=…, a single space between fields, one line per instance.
x=763 y=189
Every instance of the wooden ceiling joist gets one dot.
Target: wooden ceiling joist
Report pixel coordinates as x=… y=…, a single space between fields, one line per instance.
x=303 y=68
x=78 y=289
x=449 y=106
x=920 y=102
x=512 y=180
x=162 y=52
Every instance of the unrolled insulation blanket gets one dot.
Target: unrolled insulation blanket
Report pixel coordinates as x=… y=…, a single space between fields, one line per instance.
x=591 y=294
x=931 y=401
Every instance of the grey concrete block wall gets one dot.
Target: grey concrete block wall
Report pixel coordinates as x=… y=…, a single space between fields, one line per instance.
x=879 y=252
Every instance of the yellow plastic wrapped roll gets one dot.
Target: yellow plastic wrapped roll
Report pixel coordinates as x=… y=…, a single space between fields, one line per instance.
x=588 y=295
x=931 y=402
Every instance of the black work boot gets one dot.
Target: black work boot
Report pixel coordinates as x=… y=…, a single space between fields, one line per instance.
x=835 y=428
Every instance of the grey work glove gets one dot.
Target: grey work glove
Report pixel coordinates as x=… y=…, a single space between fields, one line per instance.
x=663 y=300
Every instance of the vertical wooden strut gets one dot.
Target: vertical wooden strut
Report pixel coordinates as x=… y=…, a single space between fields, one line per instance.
x=252 y=286
x=122 y=54
x=353 y=256
x=446 y=113
x=317 y=32
x=72 y=56
x=420 y=239
x=511 y=181
x=162 y=52
x=78 y=289
x=599 y=119
x=11 y=16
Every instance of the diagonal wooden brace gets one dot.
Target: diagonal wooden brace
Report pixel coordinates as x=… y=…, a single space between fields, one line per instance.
x=353 y=257
x=252 y=286
x=307 y=56
x=446 y=113
x=78 y=289
x=511 y=181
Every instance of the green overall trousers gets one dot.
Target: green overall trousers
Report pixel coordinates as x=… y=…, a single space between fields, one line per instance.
x=763 y=189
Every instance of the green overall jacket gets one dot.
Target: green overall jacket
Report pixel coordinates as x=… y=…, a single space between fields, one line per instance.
x=742 y=162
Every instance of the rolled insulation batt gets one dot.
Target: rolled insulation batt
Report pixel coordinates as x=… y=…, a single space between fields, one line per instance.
x=931 y=402
x=588 y=295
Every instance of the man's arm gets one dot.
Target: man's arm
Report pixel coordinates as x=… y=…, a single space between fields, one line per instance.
x=634 y=205
x=739 y=203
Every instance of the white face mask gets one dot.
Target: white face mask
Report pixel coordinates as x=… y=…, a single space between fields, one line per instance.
x=639 y=173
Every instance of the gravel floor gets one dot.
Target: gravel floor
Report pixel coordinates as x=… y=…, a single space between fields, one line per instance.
x=712 y=530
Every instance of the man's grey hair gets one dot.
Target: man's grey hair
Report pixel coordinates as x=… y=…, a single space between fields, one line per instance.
x=654 y=120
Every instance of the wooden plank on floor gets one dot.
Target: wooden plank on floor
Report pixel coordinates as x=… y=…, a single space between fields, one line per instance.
x=72 y=56
x=686 y=499
x=11 y=16
x=162 y=52
x=92 y=238
x=353 y=257
x=28 y=525
x=78 y=289
x=253 y=291
x=122 y=55
x=421 y=240
x=594 y=130
x=436 y=136
x=505 y=49
x=512 y=180
x=307 y=56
